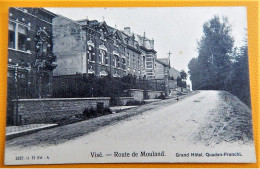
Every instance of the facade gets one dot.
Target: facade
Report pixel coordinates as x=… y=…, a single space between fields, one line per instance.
x=173 y=74
x=101 y=49
x=27 y=29
x=162 y=68
x=29 y=41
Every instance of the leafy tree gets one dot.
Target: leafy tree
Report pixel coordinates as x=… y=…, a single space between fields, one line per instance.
x=212 y=66
x=181 y=80
x=219 y=66
x=239 y=75
x=194 y=73
x=183 y=75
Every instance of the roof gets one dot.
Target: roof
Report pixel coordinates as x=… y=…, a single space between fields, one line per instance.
x=166 y=61
x=48 y=12
x=174 y=73
x=162 y=61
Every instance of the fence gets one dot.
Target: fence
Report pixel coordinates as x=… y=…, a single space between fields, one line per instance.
x=69 y=86
x=26 y=85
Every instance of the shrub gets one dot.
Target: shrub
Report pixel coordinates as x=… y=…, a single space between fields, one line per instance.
x=99 y=111
x=100 y=108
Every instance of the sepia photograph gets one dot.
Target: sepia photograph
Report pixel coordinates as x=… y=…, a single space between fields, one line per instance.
x=128 y=85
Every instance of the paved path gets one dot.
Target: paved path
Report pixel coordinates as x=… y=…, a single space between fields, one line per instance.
x=170 y=129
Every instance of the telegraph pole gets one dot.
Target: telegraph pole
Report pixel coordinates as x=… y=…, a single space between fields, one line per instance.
x=169 y=54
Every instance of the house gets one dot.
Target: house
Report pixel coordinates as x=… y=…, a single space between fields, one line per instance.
x=29 y=44
x=101 y=49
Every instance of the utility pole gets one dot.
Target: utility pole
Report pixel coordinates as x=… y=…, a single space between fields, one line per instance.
x=169 y=54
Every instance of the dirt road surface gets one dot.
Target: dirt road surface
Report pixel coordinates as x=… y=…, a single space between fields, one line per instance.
x=211 y=126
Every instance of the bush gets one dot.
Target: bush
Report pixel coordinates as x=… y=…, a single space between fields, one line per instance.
x=90 y=112
x=134 y=103
x=99 y=111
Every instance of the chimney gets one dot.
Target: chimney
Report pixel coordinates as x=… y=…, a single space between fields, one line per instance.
x=127 y=30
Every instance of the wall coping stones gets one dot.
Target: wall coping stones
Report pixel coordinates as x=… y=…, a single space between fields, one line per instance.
x=136 y=89
x=126 y=97
x=60 y=99
x=155 y=91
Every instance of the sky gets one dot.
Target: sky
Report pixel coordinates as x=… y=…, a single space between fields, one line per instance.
x=175 y=29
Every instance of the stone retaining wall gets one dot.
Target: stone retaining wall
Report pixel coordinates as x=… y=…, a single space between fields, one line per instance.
x=121 y=101
x=137 y=94
x=49 y=110
x=154 y=94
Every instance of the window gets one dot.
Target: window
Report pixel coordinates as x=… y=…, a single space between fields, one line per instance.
x=22 y=34
x=149 y=66
x=104 y=58
x=11 y=42
x=17 y=36
x=129 y=60
x=102 y=34
x=123 y=63
x=116 y=61
x=143 y=61
x=91 y=53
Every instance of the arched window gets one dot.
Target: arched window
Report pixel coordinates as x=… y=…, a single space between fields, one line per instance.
x=104 y=58
x=123 y=63
x=91 y=53
x=116 y=61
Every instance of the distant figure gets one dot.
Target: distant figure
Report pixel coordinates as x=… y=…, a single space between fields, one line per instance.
x=177 y=98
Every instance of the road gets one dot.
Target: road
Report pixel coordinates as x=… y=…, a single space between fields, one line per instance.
x=197 y=124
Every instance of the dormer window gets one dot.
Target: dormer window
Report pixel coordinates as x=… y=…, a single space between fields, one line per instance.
x=102 y=34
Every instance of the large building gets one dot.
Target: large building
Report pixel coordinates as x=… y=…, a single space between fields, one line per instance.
x=92 y=47
x=29 y=44
x=29 y=38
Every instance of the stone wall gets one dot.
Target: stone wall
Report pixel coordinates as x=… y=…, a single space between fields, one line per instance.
x=121 y=101
x=49 y=110
x=154 y=94
x=137 y=94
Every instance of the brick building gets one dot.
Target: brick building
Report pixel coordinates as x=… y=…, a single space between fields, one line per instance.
x=25 y=25
x=92 y=47
x=29 y=41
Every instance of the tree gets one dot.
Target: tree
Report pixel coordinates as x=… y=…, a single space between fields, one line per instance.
x=183 y=75
x=181 y=80
x=211 y=69
x=239 y=75
x=194 y=73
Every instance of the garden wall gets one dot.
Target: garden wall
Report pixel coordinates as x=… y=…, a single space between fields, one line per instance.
x=154 y=94
x=121 y=101
x=48 y=110
x=137 y=94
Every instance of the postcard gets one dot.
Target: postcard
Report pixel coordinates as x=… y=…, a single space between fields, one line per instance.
x=128 y=85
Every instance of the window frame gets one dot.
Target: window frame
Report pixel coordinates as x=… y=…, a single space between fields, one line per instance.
x=16 y=36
